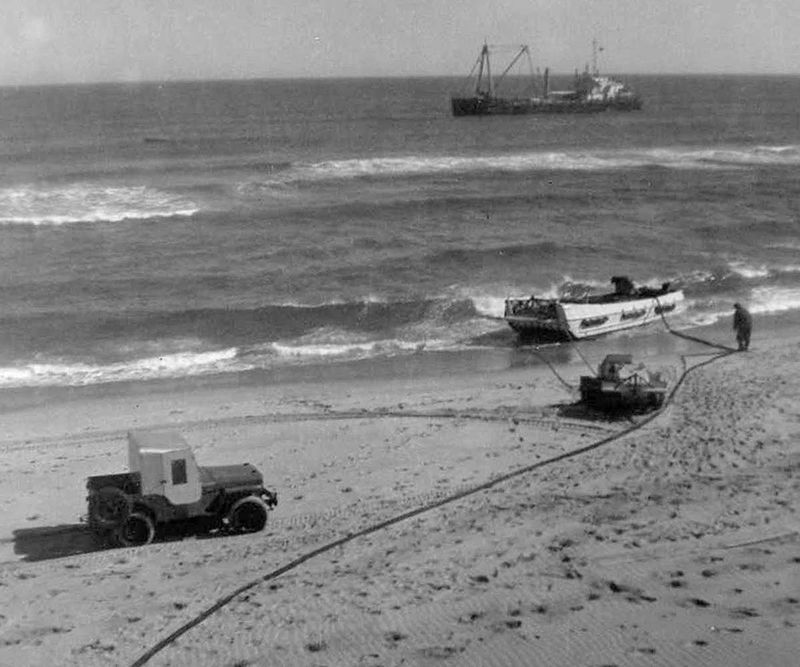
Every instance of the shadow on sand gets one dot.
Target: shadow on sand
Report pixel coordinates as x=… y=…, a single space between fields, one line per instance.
x=48 y=542
x=580 y=410
x=56 y=541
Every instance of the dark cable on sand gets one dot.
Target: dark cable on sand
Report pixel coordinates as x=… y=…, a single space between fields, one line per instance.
x=553 y=370
x=226 y=599
x=585 y=360
x=687 y=336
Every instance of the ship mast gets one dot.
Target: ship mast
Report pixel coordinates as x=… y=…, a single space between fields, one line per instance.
x=595 y=49
x=483 y=63
x=488 y=69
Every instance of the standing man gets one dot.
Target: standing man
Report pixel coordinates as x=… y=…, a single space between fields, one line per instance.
x=742 y=325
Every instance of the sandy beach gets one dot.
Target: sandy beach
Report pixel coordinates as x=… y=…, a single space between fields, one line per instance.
x=677 y=544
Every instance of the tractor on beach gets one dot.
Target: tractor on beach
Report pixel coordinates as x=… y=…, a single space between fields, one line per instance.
x=615 y=390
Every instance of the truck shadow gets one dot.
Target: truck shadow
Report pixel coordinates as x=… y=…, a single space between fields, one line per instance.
x=48 y=542
x=56 y=541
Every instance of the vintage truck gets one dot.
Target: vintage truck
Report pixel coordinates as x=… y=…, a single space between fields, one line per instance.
x=165 y=487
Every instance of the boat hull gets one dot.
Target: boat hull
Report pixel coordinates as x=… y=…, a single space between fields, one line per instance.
x=568 y=320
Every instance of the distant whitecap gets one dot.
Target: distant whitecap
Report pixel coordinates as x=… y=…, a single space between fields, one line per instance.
x=48 y=205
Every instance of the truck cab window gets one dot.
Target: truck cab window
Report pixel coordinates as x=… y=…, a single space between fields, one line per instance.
x=179 y=471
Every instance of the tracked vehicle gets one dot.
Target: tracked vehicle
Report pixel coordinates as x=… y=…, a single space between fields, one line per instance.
x=614 y=390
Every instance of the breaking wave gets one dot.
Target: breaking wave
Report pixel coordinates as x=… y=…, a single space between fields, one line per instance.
x=592 y=160
x=774 y=299
x=89 y=203
x=68 y=374
x=144 y=346
x=748 y=271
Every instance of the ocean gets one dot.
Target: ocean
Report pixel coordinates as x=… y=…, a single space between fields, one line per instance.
x=217 y=230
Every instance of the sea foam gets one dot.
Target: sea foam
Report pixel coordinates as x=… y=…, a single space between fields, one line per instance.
x=699 y=158
x=181 y=364
x=35 y=205
x=774 y=299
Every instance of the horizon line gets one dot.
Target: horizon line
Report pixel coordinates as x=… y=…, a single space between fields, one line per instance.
x=123 y=82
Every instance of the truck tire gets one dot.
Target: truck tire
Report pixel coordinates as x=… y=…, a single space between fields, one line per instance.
x=248 y=515
x=109 y=507
x=136 y=530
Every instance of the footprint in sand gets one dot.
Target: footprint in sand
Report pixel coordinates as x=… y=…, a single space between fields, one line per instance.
x=698 y=602
x=440 y=651
x=744 y=612
x=315 y=647
x=471 y=617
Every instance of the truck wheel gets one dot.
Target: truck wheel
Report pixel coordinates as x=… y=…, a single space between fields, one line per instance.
x=248 y=515
x=137 y=529
x=109 y=507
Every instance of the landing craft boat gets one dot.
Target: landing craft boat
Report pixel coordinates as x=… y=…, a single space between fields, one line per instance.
x=591 y=92
x=589 y=316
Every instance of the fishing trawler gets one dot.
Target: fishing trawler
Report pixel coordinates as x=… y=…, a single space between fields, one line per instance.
x=590 y=316
x=590 y=93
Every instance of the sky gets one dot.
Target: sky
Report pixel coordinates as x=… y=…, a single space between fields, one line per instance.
x=84 y=41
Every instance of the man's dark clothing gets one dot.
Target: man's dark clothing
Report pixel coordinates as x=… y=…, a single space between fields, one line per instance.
x=743 y=325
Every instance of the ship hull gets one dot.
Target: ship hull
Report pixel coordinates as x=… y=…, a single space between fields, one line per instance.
x=482 y=106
